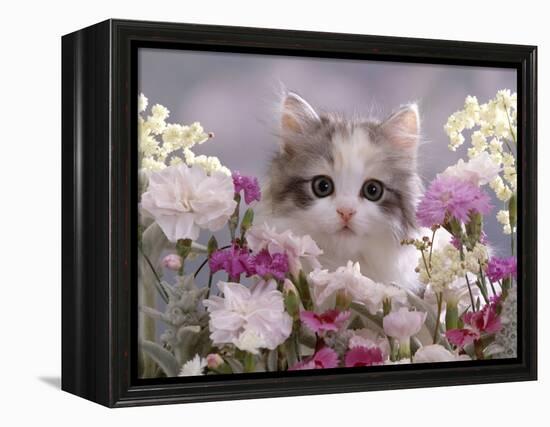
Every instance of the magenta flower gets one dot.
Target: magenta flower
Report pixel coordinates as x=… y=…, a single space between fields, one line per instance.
x=235 y=261
x=484 y=321
x=451 y=197
x=323 y=359
x=265 y=264
x=331 y=320
x=249 y=185
x=363 y=356
x=461 y=337
x=501 y=268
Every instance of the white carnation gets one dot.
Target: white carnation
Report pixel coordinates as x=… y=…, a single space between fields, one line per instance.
x=250 y=319
x=297 y=248
x=436 y=353
x=479 y=170
x=349 y=281
x=183 y=199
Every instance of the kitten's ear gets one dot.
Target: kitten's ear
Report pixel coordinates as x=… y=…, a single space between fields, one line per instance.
x=402 y=128
x=296 y=114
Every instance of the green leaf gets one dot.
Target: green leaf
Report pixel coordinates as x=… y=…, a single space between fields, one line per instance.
x=474 y=227
x=249 y=362
x=236 y=366
x=247 y=221
x=212 y=245
x=162 y=357
x=303 y=289
x=372 y=321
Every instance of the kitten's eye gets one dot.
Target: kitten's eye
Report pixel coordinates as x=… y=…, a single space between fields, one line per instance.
x=322 y=186
x=372 y=190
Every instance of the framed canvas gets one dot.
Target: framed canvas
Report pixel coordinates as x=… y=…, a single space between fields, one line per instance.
x=258 y=213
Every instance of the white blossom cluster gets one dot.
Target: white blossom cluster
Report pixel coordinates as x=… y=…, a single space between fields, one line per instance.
x=446 y=265
x=161 y=143
x=494 y=131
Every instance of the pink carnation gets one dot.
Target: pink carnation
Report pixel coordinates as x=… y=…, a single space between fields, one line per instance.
x=363 y=356
x=235 y=261
x=265 y=264
x=451 y=197
x=461 y=337
x=501 y=268
x=484 y=321
x=323 y=359
x=249 y=185
x=331 y=320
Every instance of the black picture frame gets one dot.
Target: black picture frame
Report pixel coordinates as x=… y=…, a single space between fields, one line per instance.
x=99 y=88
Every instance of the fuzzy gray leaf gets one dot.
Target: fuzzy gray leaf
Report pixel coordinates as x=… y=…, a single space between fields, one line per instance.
x=162 y=357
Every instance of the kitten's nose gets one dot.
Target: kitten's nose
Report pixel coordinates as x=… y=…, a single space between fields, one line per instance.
x=346 y=213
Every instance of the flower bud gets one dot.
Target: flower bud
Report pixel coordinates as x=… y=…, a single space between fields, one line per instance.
x=172 y=262
x=214 y=361
x=292 y=300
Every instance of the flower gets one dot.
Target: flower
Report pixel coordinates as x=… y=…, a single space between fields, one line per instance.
x=295 y=247
x=363 y=356
x=323 y=359
x=247 y=184
x=476 y=323
x=461 y=337
x=210 y=164
x=451 y=197
x=502 y=191
x=214 y=361
x=349 y=282
x=331 y=320
x=436 y=353
x=142 y=103
x=265 y=264
x=235 y=261
x=160 y=112
x=486 y=320
x=503 y=216
x=479 y=170
x=172 y=262
x=193 y=367
x=248 y=318
x=501 y=268
x=403 y=324
x=368 y=338
x=183 y=199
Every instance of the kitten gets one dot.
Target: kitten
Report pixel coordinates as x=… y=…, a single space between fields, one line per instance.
x=352 y=185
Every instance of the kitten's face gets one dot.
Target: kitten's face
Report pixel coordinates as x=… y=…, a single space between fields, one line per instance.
x=344 y=181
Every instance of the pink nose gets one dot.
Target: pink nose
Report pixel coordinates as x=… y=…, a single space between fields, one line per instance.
x=345 y=213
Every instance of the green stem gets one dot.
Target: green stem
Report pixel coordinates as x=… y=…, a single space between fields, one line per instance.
x=482 y=286
x=431 y=248
x=425 y=264
x=210 y=276
x=470 y=292
x=439 y=298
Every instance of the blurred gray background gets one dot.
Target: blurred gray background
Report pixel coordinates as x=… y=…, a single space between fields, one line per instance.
x=235 y=96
